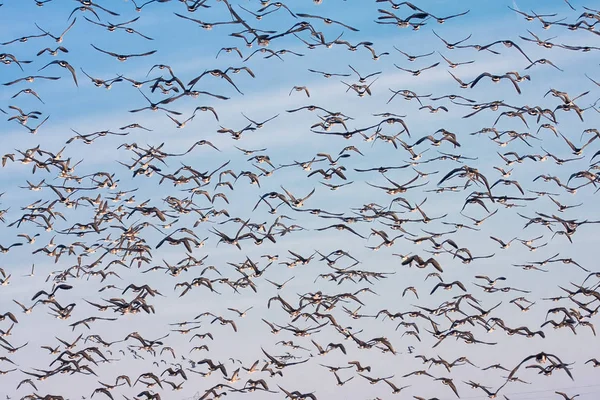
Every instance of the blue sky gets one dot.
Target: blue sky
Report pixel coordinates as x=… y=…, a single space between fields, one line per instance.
x=191 y=50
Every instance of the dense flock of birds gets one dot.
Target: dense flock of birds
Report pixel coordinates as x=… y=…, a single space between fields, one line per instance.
x=379 y=259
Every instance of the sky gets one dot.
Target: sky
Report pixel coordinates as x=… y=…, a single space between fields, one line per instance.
x=191 y=50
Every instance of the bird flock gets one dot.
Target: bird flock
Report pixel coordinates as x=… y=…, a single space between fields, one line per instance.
x=310 y=200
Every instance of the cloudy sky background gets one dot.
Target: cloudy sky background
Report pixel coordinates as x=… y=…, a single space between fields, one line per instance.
x=190 y=50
